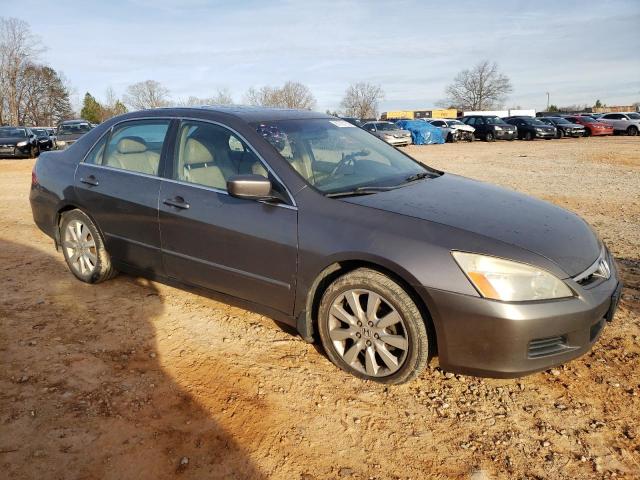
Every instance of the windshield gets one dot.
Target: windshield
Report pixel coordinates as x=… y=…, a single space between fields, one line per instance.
x=587 y=119
x=334 y=156
x=12 y=132
x=71 y=128
x=40 y=132
x=386 y=126
x=455 y=122
x=494 y=121
x=561 y=121
x=634 y=116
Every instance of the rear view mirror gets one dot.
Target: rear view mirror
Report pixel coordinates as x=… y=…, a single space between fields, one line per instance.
x=251 y=187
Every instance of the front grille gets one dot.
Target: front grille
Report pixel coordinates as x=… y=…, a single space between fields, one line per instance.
x=547 y=346
x=599 y=270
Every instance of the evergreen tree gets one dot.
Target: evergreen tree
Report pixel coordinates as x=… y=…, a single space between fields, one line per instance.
x=91 y=109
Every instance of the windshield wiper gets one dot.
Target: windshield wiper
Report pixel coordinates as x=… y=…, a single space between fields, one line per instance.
x=417 y=176
x=359 y=191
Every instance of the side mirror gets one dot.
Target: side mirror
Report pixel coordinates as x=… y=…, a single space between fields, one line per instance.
x=250 y=187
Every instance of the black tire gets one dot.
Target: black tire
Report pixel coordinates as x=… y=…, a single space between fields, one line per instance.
x=34 y=151
x=587 y=132
x=472 y=137
x=102 y=269
x=412 y=326
x=528 y=136
x=632 y=131
x=559 y=133
x=451 y=138
x=489 y=137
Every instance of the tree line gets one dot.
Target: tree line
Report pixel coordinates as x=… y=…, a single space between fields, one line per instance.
x=32 y=93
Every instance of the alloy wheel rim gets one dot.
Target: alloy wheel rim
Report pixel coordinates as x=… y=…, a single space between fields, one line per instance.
x=80 y=247
x=368 y=332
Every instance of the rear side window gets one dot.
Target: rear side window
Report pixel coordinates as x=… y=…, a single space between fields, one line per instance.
x=136 y=146
x=95 y=155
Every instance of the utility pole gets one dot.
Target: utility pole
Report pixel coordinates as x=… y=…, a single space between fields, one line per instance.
x=547 y=101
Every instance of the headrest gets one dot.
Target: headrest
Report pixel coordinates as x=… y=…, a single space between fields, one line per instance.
x=196 y=152
x=131 y=145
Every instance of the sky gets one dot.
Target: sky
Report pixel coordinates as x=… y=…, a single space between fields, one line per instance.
x=578 y=51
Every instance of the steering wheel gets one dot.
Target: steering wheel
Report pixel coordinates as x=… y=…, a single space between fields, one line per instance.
x=346 y=160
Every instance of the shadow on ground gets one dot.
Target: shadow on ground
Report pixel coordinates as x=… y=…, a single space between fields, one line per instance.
x=83 y=393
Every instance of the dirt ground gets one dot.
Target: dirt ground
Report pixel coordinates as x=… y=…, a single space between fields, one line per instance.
x=134 y=379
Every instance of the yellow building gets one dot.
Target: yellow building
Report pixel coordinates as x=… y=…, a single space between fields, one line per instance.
x=411 y=114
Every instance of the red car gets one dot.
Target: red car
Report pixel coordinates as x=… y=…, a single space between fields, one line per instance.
x=591 y=126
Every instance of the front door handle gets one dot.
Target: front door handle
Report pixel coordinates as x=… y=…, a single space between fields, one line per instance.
x=90 y=180
x=177 y=202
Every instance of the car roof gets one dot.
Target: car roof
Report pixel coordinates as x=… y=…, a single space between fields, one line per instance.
x=247 y=113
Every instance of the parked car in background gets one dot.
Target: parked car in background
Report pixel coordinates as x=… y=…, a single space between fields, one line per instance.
x=353 y=121
x=18 y=142
x=530 y=128
x=591 y=125
x=564 y=128
x=45 y=139
x=454 y=129
x=628 y=123
x=389 y=132
x=70 y=131
x=490 y=127
x=381 y=258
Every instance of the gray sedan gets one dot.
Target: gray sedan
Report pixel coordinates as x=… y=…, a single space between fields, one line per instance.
x=389 y=132
x=310 y=220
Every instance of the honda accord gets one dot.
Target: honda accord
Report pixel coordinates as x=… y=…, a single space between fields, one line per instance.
x=310 y=220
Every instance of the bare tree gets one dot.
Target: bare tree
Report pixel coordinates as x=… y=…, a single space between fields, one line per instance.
x=264 y=97
x=482 y=87
x=296 y=95
x=290 y=95
x=43 y=97
x=361 y=100
x=112 y=105
x=147 y=94
x=222 y=97
x=19 y=48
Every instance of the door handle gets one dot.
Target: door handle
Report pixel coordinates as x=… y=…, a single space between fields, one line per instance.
x=90 y=180
x=177 y=202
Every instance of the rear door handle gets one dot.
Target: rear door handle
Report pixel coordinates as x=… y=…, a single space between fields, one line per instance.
x=177 y=202
x=90 y=180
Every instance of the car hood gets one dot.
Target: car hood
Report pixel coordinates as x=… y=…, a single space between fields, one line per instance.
x=494 y=212
x=467 y=128
x=12 y=140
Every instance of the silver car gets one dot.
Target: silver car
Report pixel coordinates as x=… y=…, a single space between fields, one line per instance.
x=453 y=130
x=628 y=123
x=389 y=132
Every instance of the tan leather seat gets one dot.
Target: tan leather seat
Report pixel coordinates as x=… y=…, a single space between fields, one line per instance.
x=200 y=166
x=131 y=153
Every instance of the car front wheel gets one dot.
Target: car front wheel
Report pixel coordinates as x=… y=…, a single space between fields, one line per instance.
x=371 y=328
x=632 y=131
x=83 y=248
x=489 y=137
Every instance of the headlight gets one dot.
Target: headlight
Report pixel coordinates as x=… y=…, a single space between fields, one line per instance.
x=61 y=143
x=497 y=127
x=508 y=281
x=386 y=135
x=539 y=130
x=22 y=144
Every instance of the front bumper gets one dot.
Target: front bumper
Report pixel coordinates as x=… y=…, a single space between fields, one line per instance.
x=488 y=338
x=545 y=134
x=398 y=142
x=15 y=152
x=505 y=135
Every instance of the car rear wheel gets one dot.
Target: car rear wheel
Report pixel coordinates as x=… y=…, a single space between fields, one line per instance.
x=489 y=137
x=632 y=131
x=528 y=136
x=371 y=328
x=83 y=248
x=559 y=133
